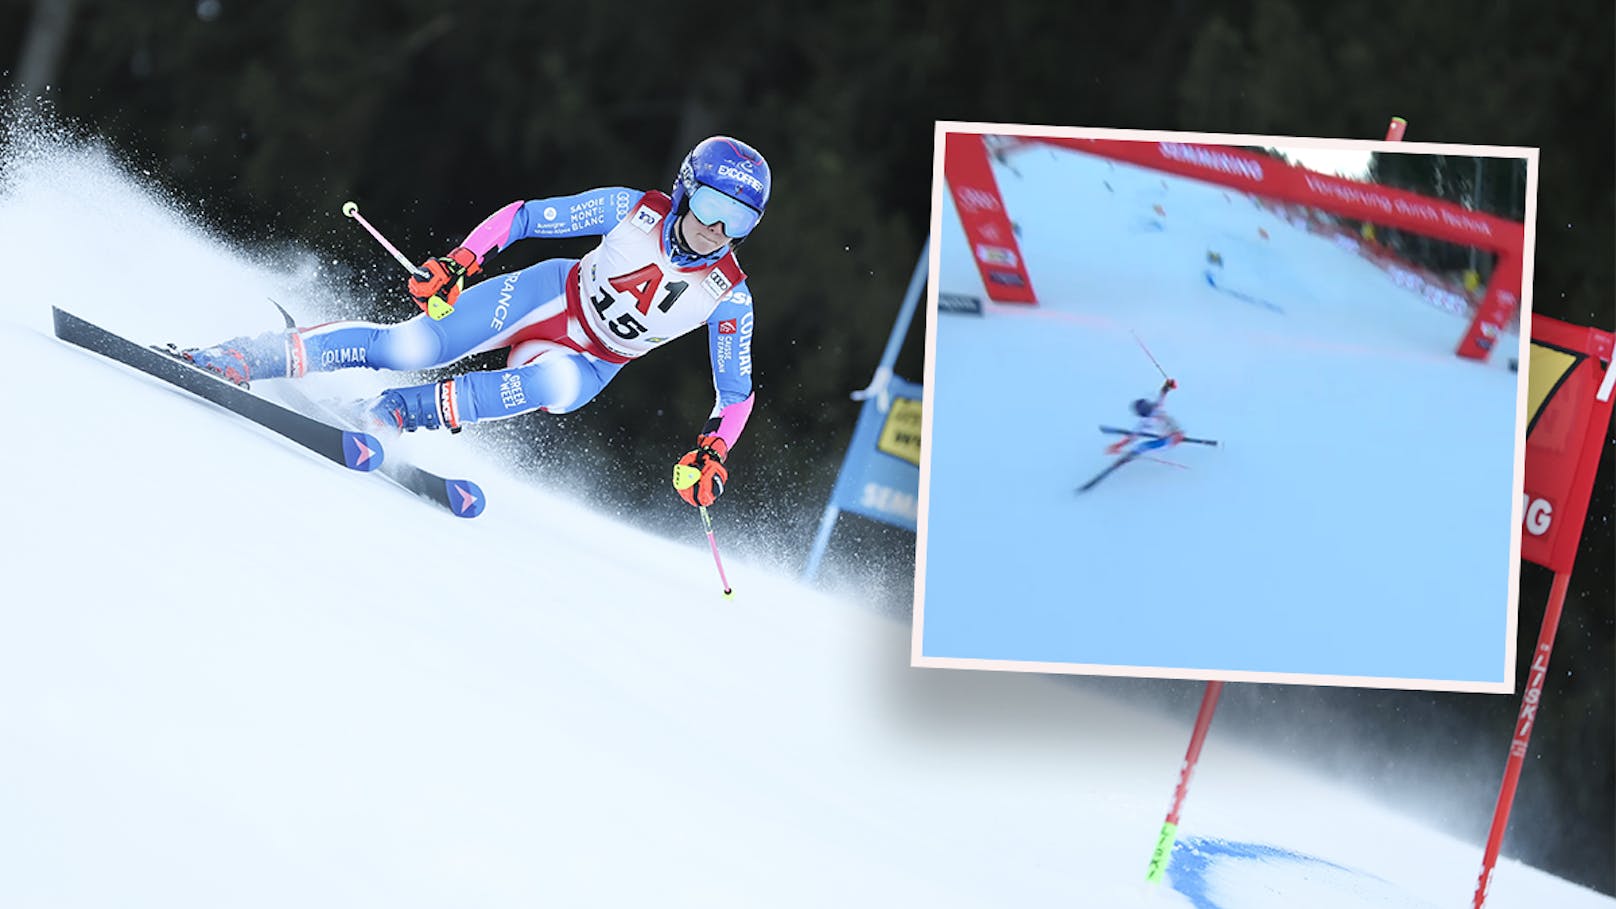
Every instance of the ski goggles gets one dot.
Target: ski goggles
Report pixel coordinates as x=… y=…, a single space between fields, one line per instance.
x=711 y=206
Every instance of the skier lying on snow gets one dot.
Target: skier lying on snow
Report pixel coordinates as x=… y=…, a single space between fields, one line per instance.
x=664 y=266
x=1155 y=428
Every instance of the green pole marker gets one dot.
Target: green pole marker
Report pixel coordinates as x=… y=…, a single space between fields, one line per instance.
x=1163 y=853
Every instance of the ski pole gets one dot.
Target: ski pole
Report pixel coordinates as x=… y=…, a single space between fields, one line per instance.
x=684 y=477
x=706 y=519
x=352 y=210
x=437 y=307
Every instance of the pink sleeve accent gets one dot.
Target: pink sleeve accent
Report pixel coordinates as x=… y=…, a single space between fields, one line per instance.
x=494 y=232
x=732 y=419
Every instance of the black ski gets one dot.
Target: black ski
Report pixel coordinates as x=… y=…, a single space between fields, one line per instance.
x=1106 y=472
x=355 y=450
x=463 y=498
x=1151 y=435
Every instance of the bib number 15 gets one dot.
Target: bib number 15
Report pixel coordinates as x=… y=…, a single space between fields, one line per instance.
x=643 y=286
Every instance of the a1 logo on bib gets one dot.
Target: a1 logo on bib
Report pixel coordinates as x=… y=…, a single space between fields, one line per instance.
x=646 y=219
x=717 y=284
x=640 y=286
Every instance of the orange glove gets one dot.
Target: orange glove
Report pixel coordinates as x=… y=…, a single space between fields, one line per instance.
x=700 y=475
x=442 y=279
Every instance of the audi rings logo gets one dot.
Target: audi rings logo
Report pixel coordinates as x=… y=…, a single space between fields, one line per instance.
x=973 y=199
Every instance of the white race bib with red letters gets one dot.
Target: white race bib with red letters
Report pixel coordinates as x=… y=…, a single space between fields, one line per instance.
x=633 y=298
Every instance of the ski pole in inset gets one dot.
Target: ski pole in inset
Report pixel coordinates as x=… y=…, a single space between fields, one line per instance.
x=684 y=477
x=1148 y=354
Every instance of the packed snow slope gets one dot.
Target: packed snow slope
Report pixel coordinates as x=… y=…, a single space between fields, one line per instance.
x=233 y=674
x=1356 y=520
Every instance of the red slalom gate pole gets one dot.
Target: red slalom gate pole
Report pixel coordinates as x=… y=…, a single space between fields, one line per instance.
x=1169 y=832
x=1530 y=700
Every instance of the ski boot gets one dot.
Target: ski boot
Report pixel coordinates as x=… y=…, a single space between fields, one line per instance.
x=241 y=360
x=430 y=406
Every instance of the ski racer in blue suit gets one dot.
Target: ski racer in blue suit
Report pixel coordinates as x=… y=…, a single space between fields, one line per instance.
x=1154 y=429
x=665 y=266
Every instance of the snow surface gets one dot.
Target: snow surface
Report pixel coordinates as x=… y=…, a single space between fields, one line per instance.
x=1356 y=522
x=235 y=675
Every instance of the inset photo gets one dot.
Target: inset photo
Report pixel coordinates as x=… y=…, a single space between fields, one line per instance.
x=1224 y=407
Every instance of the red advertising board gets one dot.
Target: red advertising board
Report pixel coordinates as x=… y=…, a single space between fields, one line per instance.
x=1267 y=176
x=1568 y=414
x=987 y=225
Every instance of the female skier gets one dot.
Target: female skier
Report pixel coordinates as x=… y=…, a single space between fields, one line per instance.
x=665 y=266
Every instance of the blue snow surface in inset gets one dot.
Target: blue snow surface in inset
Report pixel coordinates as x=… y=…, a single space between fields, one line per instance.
x=1356 y=523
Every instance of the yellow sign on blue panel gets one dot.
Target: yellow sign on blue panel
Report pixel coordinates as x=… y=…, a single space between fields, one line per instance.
x=900 y=434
